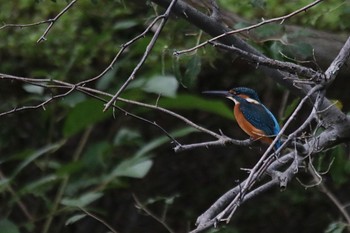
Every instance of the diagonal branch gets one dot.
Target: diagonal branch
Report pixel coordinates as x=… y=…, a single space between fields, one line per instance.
x=280 y=19
x=53 y=21
x=284 y=66
x=148 y=50
x=333 y=70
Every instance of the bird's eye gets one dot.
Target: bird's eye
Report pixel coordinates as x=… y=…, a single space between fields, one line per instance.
x=233 y=92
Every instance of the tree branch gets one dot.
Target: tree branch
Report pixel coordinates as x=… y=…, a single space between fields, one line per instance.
x=284 y=66
x=281 y=19
x=333 y=70
x=148 y=50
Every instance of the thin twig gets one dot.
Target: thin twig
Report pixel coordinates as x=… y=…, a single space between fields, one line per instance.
x=64 y=183
x=148 y=50
x=9 y=25
x=21 y=205
x=281 y=19
x=332 y=198
x=122 y=49
x=147 y=211
x=284 y=66
x=98 y=219
x=53 y=21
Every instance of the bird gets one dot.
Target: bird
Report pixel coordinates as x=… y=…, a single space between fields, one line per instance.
x=251 y=115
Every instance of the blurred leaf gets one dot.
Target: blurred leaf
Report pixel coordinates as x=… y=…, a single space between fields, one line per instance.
x=83 y=200
x=191 y=102
x=241 y=25
x=3 y=184
x=126 y=136
x=74 y=219
x=290 y=108
x=340 y=169
x=146 y=148
x=336 y=227
x=125 y=24
x=258 y=3
x=337 y=103
x=36 y=154
x=192 y=70
x=192 y=67
x=69 y=168
x=136 y=167
x=73 y=99
x=298 y=50
x=104 y=82
x=84 y=115
x=167 y=200
x=7 y=226
x=269 y=31
x=93 y=158
x=275 y=50
x=35 y=186
x=163 y=85
x=33 y=89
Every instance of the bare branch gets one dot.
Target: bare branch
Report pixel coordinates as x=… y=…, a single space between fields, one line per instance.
x=148 y=50
x=122 y=49
x=98 y=219
x=284 y=66
x=144 y=208
x=220 y=142
x=53 y=21
x=333 y=70
x=280 y=19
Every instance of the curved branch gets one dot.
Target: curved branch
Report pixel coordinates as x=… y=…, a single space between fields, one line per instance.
x=216 y=28
x=148 y=50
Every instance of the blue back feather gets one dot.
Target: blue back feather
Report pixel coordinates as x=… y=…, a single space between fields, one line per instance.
x=259 y=116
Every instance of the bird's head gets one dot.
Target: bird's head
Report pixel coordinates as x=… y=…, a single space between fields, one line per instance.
x=235 y=94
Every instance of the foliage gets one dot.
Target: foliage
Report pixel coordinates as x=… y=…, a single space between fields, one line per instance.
x=71 y=155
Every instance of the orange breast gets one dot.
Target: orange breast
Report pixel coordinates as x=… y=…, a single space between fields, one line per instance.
x=248 y=128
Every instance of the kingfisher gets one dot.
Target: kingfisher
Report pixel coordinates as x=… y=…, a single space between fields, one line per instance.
x=251 y=115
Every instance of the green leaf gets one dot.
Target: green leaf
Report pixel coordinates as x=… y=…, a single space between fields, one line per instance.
x=258 y=3
x=125 y=24
x=83 y=115
x=162 y=140
x=7 y=226
x=290 y=108
x=298 y=50
x=340 y=169
x=75 y=218
x=37 y=185
x=104 y=82
x=336 y=227
x=83 y=200
x=126 y=136
x=36 y=154
x=190 y=102
x=73 y=99
x=3 y=184
x=33 y=89
x=163 y=85
x=269 y=31
x=192 y=70
x=136 y=167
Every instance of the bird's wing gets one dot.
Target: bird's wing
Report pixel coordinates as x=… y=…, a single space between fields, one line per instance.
x=260 y=117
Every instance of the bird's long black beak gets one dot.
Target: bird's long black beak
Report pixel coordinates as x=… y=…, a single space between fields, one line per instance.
x=219 y=93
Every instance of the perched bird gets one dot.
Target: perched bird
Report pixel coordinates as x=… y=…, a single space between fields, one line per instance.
x=251 y=115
